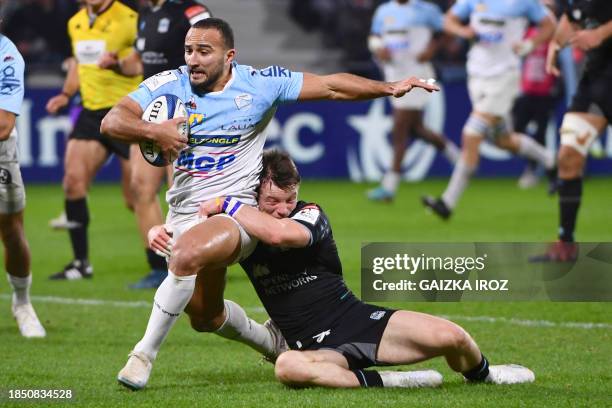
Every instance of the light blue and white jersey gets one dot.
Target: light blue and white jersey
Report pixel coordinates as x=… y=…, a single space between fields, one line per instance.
x=223 y=157
x=12 y=68
x=406 y=30
x=499 y=25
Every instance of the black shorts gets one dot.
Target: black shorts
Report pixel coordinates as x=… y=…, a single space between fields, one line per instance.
x=593 y=94
x=356 y=335
x=87 y=127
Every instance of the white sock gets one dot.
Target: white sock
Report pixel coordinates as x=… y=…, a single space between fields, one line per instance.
x=457 y=184
x=170 y=300
x=451 y=152
x=239 y=327
x=390 y=181
x=21 y=288
x=411 y=379
x=531 y=149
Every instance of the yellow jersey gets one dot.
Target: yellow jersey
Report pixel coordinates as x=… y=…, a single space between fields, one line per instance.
x=114 y=30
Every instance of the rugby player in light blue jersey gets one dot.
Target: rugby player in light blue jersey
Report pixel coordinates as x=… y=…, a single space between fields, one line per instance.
x=402 y=41
x=229 y=106
x=497 y=29
x=12 y=191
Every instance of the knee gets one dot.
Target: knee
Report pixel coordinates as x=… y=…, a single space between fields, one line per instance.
x=290 y=368
x=186 y=259
x=453 y=337
x=11 y=229
x=143 y=190
x=74 y=184
x=569 y=162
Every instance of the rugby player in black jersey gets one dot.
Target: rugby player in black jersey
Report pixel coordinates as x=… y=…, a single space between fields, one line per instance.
x=587 y=25
x=162 y=26
x=333 y=335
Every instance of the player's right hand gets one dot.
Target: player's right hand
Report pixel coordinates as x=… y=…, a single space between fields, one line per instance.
x=383 y=54
x=551 y=59
x=168 y=137
x=56 y=103
x=108 y=60
x=160 y=240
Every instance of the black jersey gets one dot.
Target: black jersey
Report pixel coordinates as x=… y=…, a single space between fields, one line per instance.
x=161 y=33
x=301 y=288
x=589 y=14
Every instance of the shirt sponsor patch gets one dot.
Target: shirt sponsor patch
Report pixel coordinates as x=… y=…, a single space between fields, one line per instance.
x=88 y=52
x=244 y=101
x=160 y=79
x=377 y=315
x=309 y=214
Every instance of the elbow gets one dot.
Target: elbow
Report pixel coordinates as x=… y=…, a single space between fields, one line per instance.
x=274 y=238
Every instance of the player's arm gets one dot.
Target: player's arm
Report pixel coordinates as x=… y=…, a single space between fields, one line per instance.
x=69 y=89
x=348 y=87
x=124 y=122
x=129 y=66
x=592 y=38
x=283 y=232
x=561 y=37
x=453 y=25
x=7 y=123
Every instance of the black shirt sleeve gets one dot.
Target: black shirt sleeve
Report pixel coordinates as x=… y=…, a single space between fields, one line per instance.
x=312 y=217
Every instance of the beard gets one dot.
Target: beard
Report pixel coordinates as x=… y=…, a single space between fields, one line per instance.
x=211 y=79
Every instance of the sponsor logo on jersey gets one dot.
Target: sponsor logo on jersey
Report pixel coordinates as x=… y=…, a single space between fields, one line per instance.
x=191 y=103
x=244 y=101
x=160 y=79
x=9 y=83
x=8 y=58
x=377 y=315
x=163 y=25
x=321 y=336
x=206 y=163
x=214 y=141
x=275 y=71
x=5 y=176
x=196 y=119
x=309 y=214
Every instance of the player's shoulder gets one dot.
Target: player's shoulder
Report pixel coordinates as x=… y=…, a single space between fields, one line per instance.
x=127 y=5
x=308 y=212
x=427 y=7
x=78 y=18
x=168 y=80
x=385 y=7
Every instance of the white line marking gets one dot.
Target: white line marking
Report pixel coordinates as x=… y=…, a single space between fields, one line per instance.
x=259 y=309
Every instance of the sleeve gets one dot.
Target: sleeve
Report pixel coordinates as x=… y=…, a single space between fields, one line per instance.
x=281 y=84
x=377 y=23
x=163 y=83
x=436 y=18
x=536 y=11
x=462 y=9
x=196 y=12
x=314 y=219
x=12 y=69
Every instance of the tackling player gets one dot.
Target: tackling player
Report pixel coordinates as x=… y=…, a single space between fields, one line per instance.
x=161 y=25
x=101 y=25
x=497 y=29
x=402 y=40
x=297 y=274
x=588 y=26
x=12 y=191
x=229 y=107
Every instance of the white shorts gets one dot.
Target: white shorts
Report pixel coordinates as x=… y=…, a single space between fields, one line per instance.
x=494 y=95
x=180 y=223
x=417 y=98
x=12 y=190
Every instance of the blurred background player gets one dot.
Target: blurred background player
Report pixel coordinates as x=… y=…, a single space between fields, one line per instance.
x=586 y=25
x=333 y=335
x=540 y=93
x=162 y=26
x=497 y=29
x=102 y=25
x=403 y=40
x=12 y=191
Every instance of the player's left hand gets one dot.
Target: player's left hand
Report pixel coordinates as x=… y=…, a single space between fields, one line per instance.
x=400 y=88
x=522 y=48
x=108 y=60
x=586 y=39
x=211 y=207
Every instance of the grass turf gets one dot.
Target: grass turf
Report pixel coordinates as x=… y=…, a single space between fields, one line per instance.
x=88 y=344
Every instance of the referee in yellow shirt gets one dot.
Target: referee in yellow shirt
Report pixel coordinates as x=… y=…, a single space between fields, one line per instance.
x=100 y=26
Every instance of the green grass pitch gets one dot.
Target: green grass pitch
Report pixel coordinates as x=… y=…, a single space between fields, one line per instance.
x=88 y=343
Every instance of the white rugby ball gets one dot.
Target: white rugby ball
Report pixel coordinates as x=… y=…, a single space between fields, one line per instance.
x=162 y=108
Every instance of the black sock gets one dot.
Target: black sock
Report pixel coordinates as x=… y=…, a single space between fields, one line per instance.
x=156 y=261
x=480 y=372
x=570 y=194
x=368 y=378
x=76 y=211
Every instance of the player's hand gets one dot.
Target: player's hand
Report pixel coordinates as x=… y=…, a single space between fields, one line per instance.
x=168 y=138
x=108 y=60
x=468 y=33
x=586 y=39
x=160 y=240
x=383 y=54
x=56 y=103
x=211 y=207
x=523 y=48
x=551 y=59
x=400 y=88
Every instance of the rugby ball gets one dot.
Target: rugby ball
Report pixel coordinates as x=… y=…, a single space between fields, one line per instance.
x=162 y=108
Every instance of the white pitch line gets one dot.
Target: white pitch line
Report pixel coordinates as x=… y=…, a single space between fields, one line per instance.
x=259 y=309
